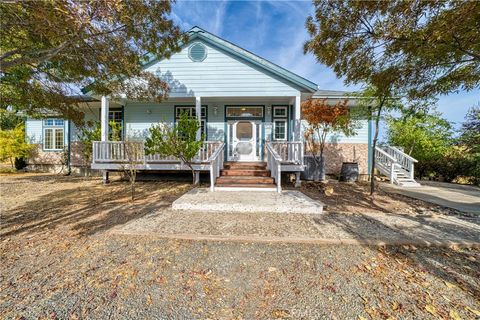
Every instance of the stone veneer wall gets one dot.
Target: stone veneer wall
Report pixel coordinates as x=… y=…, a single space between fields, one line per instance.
x=336 y=154
x=39 y=157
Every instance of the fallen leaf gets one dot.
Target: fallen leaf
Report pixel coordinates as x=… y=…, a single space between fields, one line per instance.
x=361 y=318
x=472 y=258
x=475 y=312
x=431 y=309
x=449 y=285
x=279 y=313
x=454 y=315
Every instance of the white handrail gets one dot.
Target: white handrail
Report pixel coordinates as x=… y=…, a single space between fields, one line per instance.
x=289 y=151
x=387 y=155
x=405 y=161
x=114 y=152
x=216 y=164
x=274 y=164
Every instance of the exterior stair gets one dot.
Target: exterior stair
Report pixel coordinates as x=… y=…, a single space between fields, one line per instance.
x=396 y=165
x=245 y=175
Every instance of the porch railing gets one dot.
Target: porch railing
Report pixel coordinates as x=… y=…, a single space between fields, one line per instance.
x=116 y=152
x=274 y=164
x=386 y=164
x=403 y=159
x=289 y=151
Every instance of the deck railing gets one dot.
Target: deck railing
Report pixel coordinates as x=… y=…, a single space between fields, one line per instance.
x=403 y=159
x=289 y=151
x=385 y=163
x=117 y=152
x=274 y=164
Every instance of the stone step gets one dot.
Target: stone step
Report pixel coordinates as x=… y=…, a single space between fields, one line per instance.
x=244 y=180
x=241 y=172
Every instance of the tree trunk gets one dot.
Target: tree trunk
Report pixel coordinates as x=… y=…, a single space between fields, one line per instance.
x=133 y=191
x=374 y=145
x=193 y=176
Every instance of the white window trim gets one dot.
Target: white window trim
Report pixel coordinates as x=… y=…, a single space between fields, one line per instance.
x=54 y=138
x=261 y=107
x=275 y=126
x=275 y=108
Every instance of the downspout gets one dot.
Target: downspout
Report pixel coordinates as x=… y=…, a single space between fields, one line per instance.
x=370 y=151
x=69 y=166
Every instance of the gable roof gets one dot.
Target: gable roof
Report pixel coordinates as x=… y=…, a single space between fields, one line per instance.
x=333 y=94
x=199 y=33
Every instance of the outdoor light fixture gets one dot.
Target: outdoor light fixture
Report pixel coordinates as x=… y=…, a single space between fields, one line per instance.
x=269 y=109
x=215 y=110
x=149 y=111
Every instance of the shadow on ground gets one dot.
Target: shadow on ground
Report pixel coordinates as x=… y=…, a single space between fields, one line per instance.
x=86 y=208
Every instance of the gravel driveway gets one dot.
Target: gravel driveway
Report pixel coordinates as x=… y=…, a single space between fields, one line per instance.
x=60 y=259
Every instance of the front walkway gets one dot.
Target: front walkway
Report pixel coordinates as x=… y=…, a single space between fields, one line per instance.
x=459 y=197
x=291 y=201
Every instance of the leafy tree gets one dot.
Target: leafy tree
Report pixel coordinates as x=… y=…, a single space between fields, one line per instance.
x=470 y=139
x=13 y=144
x=470 y=131
x=91 y=132
x=372 y=102
x=134 y=154
x=422 y=48
x=424 y=136
x=178 y=141
x=9 y=119
x=50 y=48
x=88 y=133
x=324 y=119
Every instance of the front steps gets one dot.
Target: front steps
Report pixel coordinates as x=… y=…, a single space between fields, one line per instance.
x=245 y=175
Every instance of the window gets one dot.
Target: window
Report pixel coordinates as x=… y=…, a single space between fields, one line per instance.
x=245 y=112
x=192 y=112
x=117 y=117
x=280 y=129
x=53 y=134
x=280 y=112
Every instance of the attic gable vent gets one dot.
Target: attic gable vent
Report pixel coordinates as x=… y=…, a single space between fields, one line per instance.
x=197 y=52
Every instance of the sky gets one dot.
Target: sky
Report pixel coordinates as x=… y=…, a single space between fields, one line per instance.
x=275 y=30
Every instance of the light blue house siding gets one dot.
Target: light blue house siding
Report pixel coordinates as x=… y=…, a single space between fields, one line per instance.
x=220 y=74
x=140 y=116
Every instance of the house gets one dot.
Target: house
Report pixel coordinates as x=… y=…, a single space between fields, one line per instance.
x=249 y=109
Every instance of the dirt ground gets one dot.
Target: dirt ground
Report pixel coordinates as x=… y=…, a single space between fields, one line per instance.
x=59 y=260
x=355 y=198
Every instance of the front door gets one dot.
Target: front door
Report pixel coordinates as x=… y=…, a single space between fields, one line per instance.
x=244 y=137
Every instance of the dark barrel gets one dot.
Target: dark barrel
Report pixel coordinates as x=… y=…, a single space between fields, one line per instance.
x=349 y=172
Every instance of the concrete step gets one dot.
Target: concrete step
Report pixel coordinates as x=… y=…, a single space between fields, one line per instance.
x=244 y=180
x=241 y=172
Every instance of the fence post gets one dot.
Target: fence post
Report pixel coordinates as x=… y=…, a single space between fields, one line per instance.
x=392 y=173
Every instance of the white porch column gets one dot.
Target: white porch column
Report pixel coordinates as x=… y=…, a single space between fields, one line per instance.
x=104 y=129
x=198 y=111
x=104 y=118
x=297 y=123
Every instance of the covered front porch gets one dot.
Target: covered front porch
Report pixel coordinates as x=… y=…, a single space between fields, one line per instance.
x=248 y=129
